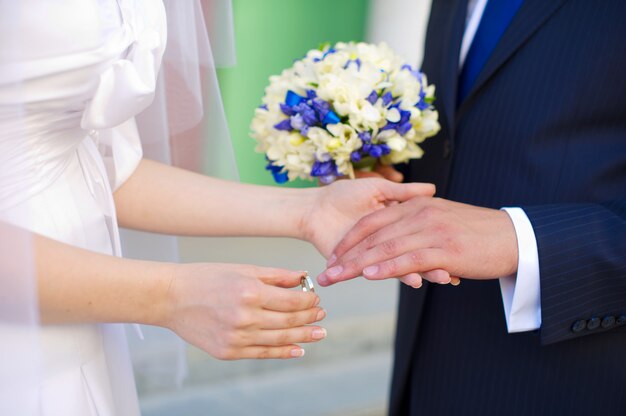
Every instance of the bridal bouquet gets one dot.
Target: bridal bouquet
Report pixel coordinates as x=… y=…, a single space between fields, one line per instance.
x=342 y=108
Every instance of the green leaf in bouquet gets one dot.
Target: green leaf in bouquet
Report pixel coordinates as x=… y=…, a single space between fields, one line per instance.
x=324 y=46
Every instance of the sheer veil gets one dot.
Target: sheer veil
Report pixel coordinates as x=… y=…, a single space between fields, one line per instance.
x=20 y=353
x=185 y=126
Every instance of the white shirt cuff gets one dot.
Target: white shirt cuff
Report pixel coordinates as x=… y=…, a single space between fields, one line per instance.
x=521 y=293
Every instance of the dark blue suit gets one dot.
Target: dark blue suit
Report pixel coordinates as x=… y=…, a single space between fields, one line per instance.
x=544 y=128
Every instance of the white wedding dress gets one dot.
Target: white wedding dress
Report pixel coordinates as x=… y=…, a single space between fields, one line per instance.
x=84 y=69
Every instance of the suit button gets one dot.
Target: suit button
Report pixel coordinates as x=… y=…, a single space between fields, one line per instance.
x=608 y=322
x=593 y=323
x=447 y=149
x=579 y=325
x=621 y=320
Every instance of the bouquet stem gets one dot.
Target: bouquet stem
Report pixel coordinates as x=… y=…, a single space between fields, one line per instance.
x=365 y=165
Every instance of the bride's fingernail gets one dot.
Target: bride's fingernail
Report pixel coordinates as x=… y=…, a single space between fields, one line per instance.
x=321 y=314
x=331 y=260
x=318 y=333
x=445 y=282
x=334 y=271
x=297 y=352
x=370 y=270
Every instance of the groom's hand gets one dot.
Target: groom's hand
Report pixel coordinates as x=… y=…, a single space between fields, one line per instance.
x=425 y=234
x=381 y=171
x=337 y=208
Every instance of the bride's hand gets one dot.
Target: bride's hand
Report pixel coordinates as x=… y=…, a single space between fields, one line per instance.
x=340 y=205
x=237 y=311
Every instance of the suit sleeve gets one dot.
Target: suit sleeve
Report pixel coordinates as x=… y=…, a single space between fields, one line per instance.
x=582 y=262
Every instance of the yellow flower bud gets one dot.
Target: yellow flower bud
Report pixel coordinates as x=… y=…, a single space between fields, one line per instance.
x=296 y=139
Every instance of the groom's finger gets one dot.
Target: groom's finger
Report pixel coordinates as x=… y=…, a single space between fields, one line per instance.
x=390 y=232
x=420 y=261
x=365 y=227
x=389 y=172
x=386 y=250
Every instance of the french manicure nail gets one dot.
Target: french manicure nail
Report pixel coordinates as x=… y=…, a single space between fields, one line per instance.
x=321 y=314
x=334 y=271
x=318 y=333
x=297 y=352
x=445 y=282
x=370 y=270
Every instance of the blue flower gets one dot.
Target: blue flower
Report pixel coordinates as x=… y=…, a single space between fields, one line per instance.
x=324 y=168
x=355 y=156
x=279 y=176
x=326 y=172
x=321 y=107
x=387 y=98
x=403 y=125
x=331 y=118
x=365 y=136
x=376 y=151
x=305 y=112
x=422 y=104
x=284 y=125
x=356 y=61
x=286 y=109
x=413 y=71
x=292 y=99
x=373 y=97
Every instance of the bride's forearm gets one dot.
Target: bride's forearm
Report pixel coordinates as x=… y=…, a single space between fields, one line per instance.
x=77 y=285
x=164 y=199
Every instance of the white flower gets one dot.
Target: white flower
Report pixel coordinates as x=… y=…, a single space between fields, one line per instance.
x=358 y=82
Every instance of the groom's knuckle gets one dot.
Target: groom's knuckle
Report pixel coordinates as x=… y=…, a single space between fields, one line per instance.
x=391 y=267
x=417 y=259
x=427 y=213
x=370 y=241
x=353 y=265
x=389 y=247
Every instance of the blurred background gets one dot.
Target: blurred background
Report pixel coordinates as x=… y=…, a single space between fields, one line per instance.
x=348 y=373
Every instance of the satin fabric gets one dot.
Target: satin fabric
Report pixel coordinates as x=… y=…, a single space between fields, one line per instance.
x=68 y=139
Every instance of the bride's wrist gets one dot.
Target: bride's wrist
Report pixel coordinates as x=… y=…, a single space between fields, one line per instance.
x=307 y=205
x=155 y=304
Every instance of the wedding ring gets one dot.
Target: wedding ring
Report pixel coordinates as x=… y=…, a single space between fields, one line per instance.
x=307 y=284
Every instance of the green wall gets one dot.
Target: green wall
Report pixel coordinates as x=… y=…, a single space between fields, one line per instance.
x=269 y=35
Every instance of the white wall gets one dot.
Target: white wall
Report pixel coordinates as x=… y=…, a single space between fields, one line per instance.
x=402 y=24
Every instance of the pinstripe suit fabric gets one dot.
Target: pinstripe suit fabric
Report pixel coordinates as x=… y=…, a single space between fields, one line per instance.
x=544 y=128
